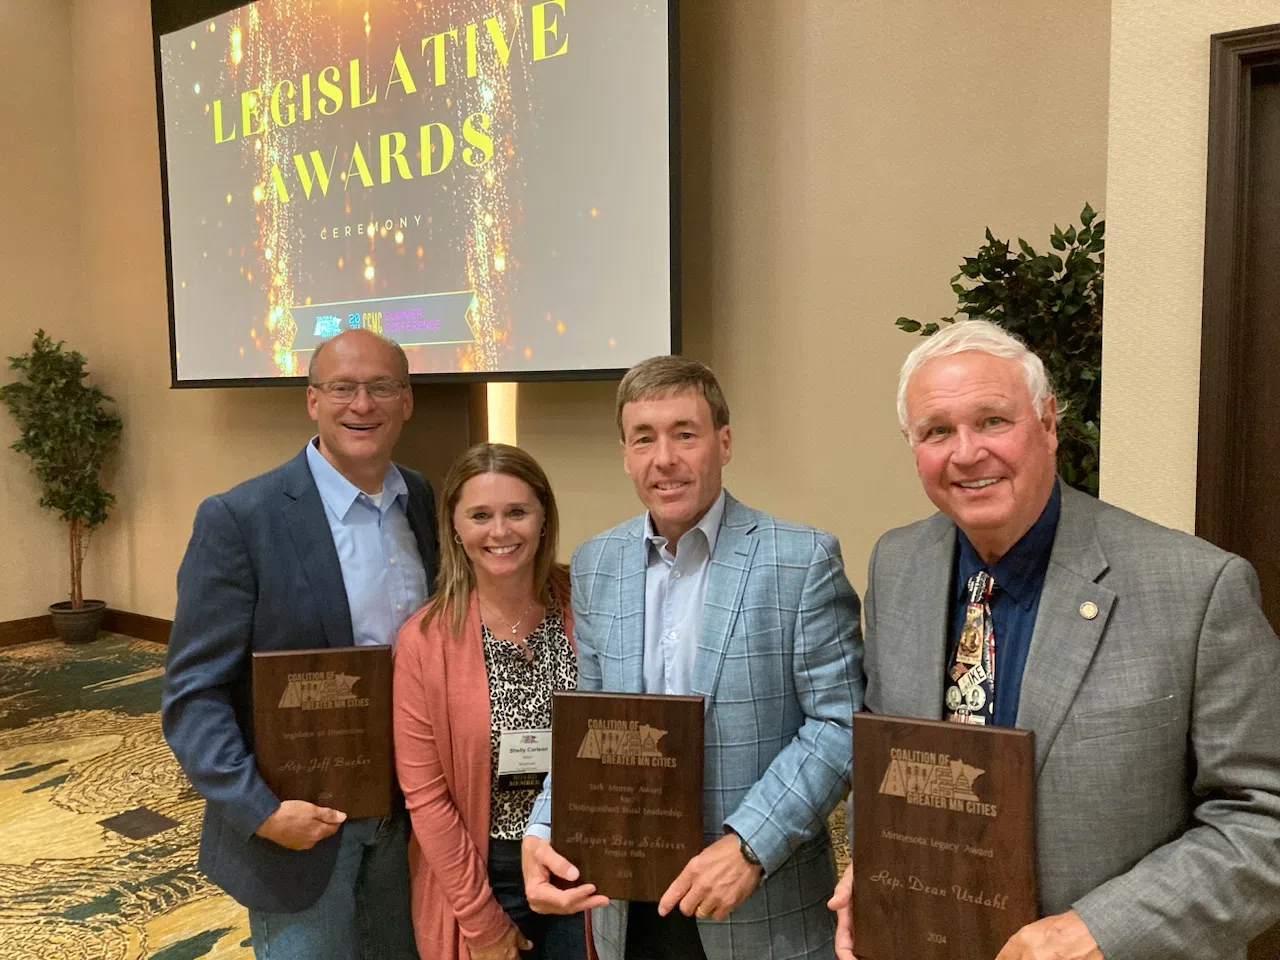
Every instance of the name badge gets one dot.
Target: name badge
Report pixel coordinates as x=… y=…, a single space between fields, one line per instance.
x=524 y=758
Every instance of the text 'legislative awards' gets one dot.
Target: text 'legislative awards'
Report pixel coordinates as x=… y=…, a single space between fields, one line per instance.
x=943 y=838
x=322 y=726
x=626 y=789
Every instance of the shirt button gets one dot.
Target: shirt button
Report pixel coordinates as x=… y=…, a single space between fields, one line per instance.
x=671 y=635
x=399 y=606
x=392 y=561
x=675 y=574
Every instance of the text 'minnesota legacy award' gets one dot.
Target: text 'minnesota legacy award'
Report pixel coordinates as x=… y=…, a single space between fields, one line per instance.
x=626 y=789
x=943 y=838
x=322 y=726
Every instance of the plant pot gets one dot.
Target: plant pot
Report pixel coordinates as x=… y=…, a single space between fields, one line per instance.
x=77 y=626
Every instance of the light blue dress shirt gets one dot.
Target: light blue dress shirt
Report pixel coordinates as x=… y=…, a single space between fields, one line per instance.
x=381 y=566
x=675 y=587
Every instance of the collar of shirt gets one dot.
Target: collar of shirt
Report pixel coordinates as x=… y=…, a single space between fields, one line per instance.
x=709 y=525
x=1020 y=572
x=339 y=494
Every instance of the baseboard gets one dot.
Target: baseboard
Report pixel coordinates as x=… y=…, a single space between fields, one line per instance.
x=134 y=625
x=24 y=631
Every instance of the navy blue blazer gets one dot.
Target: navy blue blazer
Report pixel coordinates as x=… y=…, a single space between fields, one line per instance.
x=260 y=573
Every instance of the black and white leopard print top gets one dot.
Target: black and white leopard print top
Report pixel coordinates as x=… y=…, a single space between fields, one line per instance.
x=520 y=699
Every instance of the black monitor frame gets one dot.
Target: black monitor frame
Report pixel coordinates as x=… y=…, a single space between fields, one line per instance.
x=170 y=15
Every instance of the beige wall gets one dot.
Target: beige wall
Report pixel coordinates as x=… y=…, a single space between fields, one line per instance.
x=1155 y=247
x=86 y=161
x=840 y=159
x=40 y=273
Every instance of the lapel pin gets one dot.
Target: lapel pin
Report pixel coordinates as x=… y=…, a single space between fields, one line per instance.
x=1088 y=609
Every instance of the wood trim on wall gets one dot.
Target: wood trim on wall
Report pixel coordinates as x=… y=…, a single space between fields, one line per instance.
x=478 y=413
x=1223 y=330
x=134 y=625
x=1233 y=57
x=13 y=632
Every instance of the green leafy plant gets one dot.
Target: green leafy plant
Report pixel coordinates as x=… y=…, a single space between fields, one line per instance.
x=1054 y=303
x=68 y=434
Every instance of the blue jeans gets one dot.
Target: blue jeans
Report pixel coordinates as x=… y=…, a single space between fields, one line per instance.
x=363 y=913
x=553 y=937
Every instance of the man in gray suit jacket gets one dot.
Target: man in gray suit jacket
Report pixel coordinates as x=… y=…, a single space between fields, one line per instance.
x=334 y=548
x=703 y=595
x=1139 y=656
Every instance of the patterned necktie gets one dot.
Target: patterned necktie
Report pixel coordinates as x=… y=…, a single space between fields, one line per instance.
x=971 y=679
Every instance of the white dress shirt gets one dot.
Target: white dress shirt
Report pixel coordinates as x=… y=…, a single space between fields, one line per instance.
x=675 y=587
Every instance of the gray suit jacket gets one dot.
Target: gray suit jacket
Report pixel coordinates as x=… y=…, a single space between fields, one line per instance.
x=1156 y=723
x=778 y=662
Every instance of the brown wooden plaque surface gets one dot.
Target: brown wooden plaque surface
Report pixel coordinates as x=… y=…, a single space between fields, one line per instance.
x=626 y=789
x=322 y=726
x=943 y=838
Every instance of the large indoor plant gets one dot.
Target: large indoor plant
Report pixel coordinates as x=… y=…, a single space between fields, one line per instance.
x=68 y=434
x=1054 y=303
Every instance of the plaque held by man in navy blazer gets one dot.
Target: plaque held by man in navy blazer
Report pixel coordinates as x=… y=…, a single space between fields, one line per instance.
x=704 y=596
x=334 y=548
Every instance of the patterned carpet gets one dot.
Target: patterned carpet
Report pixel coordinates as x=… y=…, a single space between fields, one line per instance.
x=80 y=744
x=98 y=850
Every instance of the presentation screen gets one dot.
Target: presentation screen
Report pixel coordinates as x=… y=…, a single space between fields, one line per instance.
x=490 y=184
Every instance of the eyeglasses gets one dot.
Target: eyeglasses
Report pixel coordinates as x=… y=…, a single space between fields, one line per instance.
x=344 y=391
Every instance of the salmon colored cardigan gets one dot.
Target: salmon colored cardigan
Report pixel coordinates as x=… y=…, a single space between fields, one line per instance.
x=442 y=748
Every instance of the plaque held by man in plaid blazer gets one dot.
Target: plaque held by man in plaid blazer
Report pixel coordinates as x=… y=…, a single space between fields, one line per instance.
x=627 y=809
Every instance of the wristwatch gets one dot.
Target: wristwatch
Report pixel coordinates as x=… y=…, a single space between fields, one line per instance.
x=747 y=853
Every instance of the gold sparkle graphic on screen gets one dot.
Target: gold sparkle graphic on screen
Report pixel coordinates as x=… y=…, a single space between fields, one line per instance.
x=273 y=41
x=272 y=54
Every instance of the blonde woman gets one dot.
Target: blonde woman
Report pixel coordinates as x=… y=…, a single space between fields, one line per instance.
x=480 y=660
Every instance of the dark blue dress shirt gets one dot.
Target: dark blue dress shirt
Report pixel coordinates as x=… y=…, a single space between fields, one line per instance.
x=1019 y=577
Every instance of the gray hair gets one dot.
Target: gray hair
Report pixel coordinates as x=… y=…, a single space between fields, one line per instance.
x=981 y=336
x=402 y=361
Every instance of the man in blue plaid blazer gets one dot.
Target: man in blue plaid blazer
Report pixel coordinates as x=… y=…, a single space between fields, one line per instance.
x=703 y=595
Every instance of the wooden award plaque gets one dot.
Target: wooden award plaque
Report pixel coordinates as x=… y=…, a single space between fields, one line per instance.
x=943 y=838
x=322 y=727
x=626 y=789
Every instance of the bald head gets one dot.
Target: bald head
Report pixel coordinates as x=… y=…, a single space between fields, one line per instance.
x=399 y=362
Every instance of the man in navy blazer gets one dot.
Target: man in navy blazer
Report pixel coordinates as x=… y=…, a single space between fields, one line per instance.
x=335 y=547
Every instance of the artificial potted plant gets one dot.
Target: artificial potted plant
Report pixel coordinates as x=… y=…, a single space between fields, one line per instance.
x=68 y=434
x=1054 y=303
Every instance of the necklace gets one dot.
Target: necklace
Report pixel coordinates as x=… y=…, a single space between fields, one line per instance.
x=514 y=626
x=525 y=650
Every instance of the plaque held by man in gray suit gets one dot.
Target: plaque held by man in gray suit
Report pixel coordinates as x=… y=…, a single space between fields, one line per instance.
x=626 y=801
x=943 y=838
x=322 y=726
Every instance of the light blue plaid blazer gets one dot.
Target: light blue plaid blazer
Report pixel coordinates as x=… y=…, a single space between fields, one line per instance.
x=779 y=662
